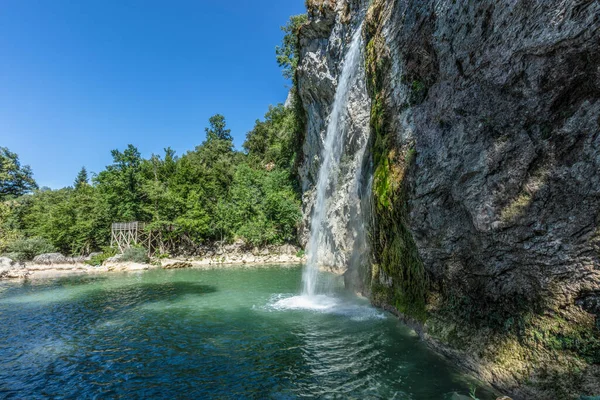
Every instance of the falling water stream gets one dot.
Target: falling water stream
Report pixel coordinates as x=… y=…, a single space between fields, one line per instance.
x=331 y=154
x=338 y=124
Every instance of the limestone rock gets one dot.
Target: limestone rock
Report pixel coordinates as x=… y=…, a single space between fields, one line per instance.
x=504 y=198
x=288 y=249
x=126 y=266
x=51 y=258
x=10 y=269
x=113 y=259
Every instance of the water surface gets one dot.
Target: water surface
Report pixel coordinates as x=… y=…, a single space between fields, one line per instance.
x=233 y=333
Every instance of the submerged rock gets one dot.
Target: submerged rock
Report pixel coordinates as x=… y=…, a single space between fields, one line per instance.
x=175 y=264
x=127 y=266
x=457 y=396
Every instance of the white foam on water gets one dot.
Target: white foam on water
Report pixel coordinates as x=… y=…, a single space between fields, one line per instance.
x=324 y=304
x=319 y=302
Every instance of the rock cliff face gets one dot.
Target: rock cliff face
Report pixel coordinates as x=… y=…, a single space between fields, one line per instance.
x=483 y=122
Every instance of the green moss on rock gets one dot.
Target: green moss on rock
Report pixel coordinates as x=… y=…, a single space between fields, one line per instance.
x=395 y=251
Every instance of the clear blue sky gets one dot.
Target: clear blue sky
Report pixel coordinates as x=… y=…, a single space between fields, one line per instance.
x=81 y=77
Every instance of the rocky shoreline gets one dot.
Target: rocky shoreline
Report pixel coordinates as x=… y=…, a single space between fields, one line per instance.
x=57 y=265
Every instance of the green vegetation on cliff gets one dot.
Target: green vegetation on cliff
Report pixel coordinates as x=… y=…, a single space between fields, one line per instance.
x=15 y=179
x=395 y=253
x=288 y=53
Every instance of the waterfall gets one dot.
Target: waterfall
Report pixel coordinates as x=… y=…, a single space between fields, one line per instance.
x=330 y=156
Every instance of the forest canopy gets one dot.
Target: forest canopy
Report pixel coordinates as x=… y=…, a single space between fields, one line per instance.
x=211 y=193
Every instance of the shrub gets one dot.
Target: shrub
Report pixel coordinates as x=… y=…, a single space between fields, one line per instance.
x=27 y=249
x=14 y=256
x=99 y=259
x=136 y=254
x=161 y=256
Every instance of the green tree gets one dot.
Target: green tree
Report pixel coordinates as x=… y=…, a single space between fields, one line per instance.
x=204 y=175
x=91 y=219
x=8 y=231
x=281 y=205
x=50 y=215
x=264 y=207
x=272 y=140
x=82 y=179
x=288 y=53
x=15 y=180
x=217 y=129
x=163 y=203
x=74 y=221
x=121 y=185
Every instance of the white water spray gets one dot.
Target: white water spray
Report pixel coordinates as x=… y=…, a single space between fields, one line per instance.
x=331 y=154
